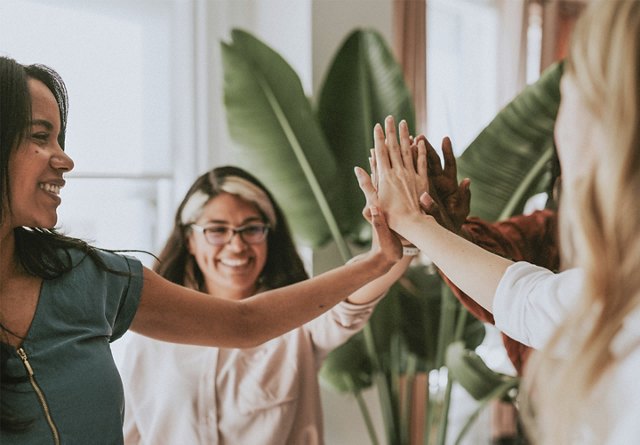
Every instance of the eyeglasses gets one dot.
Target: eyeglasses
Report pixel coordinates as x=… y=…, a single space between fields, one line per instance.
x=218 y=235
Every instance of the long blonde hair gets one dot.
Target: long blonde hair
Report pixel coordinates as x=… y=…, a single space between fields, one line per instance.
x=599 y=220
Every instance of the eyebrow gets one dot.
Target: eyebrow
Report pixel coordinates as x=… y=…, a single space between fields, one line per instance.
x=226 y=223
x=45 y=123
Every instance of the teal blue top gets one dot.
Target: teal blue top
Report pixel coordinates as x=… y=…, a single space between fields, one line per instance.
x=67 y=347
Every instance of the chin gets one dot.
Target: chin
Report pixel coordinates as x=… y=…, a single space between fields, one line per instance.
x=45 y=224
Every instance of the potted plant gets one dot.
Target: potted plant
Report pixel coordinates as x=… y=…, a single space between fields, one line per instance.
x=304 y=151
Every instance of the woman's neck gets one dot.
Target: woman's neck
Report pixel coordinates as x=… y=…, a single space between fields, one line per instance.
x=8 y=262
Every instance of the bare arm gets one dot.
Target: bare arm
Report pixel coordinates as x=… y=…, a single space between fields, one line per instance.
x=173 y=313
x=473 y=269
x=379 y=286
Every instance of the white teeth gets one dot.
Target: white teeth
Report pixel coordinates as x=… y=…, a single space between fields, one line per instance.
x=234 y=263
x=51 y=188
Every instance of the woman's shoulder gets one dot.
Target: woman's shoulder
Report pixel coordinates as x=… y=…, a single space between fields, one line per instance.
x=95 y=257
x=94 y=265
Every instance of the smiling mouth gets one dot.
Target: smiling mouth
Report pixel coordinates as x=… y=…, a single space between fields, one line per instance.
x=51 y=188
x=234 y=262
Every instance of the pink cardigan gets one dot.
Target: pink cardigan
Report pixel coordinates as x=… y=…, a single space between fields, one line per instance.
x=268 y=395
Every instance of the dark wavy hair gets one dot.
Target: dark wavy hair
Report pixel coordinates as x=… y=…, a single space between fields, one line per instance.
x=42 y=252
x=283 y=266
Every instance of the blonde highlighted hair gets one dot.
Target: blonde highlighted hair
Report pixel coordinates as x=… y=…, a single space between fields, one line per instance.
x=599 y=219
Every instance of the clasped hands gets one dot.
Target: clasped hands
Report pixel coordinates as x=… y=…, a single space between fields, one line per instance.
x=407 y=180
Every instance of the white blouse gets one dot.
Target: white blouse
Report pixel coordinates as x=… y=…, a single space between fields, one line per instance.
x=267 y=395
x=531 y=302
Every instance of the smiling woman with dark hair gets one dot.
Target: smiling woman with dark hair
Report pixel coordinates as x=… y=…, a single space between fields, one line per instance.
x=62 y=301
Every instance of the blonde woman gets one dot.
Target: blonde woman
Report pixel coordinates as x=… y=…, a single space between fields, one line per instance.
x=582 y=388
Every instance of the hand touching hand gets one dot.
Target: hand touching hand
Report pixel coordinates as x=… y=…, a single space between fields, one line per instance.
x=399 y=180
x=385 y=242
x=447 y=201
x=371 y=198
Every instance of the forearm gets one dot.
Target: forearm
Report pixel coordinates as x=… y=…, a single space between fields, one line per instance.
x=173 y=313
x=292 y=306
x=474 y=270
x=380 y=285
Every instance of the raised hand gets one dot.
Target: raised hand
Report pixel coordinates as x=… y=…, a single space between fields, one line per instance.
x=385 y=241
x=371 y=198
x=400 y=180
x=447 y=201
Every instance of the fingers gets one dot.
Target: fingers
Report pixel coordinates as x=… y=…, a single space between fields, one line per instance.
x=428 y=204
x=395 y=155
x=385 y=238
x=381 y=150
x=450 y=168
x=364 y=181
x=366 y=213
x=372 y=164
x=435 y=167
x=465 y=194
x=405 y=144
x=377 y=221
x=369 y=196
x=421 y=159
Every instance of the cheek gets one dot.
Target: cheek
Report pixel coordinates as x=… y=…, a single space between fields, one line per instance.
x=261 y=258
x=200 y=250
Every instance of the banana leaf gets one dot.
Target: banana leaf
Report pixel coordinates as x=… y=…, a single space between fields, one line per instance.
x=348 y=368
x=472 y=373
x=364 y=84
x=508 y=162
x=410 y=314
x=276 y=136
x=306 y=158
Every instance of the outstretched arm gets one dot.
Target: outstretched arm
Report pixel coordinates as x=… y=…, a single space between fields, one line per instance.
x=173 y=313
x=379 y=286
x=476 y=271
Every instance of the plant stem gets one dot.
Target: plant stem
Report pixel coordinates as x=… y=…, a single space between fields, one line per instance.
x=523 y=188
x=407 y=400
x=445 y=332
x=500 y=391
x=384 y=391
x=444 y=421
x=363 y=409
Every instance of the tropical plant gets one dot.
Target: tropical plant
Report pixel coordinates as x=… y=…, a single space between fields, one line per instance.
x=511 y=160
x=305 y=152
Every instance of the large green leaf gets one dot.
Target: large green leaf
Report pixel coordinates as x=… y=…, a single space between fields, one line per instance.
x=276 y=136
x=472 y=373
x=348 y=367
x=406 y=322
x=411 y=311
x=363 y=85
x=508 y=161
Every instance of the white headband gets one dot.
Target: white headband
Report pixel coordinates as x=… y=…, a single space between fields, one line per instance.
x=236 y=186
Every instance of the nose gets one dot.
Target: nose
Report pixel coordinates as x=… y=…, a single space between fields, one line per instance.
x=62 y=161
x=236 y=243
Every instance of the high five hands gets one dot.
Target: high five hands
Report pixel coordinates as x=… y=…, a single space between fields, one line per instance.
x=407 y=178
x=399 y=181
x=447 y=201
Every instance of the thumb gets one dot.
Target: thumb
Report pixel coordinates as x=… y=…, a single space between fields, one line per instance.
x=428 y=204
x=364 y=181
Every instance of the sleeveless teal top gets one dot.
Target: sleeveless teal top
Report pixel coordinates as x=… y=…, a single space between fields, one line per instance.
x=75 y=395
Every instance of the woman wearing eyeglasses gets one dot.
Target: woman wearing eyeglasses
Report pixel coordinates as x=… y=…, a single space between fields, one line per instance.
x=231 y=240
